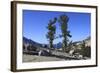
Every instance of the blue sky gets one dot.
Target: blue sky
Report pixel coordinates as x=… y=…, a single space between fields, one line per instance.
x=35 y=23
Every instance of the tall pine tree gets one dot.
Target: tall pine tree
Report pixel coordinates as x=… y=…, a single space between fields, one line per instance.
x=51 y=32
x=63 y=20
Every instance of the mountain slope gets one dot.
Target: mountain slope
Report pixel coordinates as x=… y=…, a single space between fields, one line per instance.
x=29 y=41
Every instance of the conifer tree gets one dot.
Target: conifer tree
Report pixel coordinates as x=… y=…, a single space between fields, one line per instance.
x=63 y=20
x=51 y=32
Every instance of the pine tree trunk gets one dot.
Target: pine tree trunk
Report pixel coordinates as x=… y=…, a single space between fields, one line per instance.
x=51 y=44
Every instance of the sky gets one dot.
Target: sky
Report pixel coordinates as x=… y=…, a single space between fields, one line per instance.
x=35 y=23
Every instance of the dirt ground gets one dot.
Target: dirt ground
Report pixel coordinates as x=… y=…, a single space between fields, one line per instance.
x=35 y=58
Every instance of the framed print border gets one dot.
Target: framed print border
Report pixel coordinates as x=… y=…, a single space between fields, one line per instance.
x=14 y=34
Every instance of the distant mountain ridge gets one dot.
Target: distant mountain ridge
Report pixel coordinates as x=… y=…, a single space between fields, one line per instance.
x=58 y=45
x=29 y=41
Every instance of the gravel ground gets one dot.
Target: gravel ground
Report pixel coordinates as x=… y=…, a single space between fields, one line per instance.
x=35 y=58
